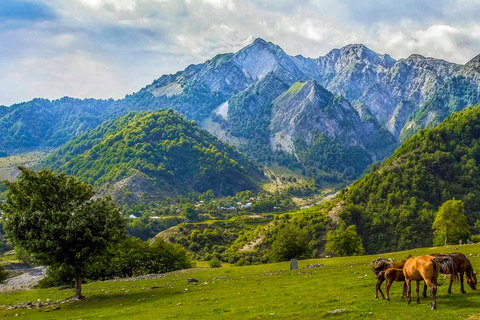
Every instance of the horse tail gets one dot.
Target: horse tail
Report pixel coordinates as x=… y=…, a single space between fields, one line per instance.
x=437 y=267
x=447 y=266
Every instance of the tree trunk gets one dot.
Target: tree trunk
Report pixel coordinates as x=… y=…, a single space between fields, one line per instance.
x=446 y=236
x=78 y=289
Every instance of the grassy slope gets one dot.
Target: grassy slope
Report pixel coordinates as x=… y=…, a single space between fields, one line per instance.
x=264 y=291
x=8 y=165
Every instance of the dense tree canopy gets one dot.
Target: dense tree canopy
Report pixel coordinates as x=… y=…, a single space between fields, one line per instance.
x=290 y=242
x=394 y=206
x=344 y=241
x=54 y=218
x=156 y=154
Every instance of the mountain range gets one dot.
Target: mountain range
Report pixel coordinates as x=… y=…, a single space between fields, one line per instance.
x=336 y=113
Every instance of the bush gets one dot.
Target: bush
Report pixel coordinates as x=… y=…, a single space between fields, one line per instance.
x=240 y=262
x=22 y=255
x=165 y=257
x=475 y=238
x=215 y=263
x=45 y=283
x=3 y=274
x=290 y=242
x=344 y=241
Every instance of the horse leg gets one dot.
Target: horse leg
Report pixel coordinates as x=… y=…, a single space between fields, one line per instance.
x=418 y=291
x=409 y=290
x=378 y=288
x=433 y=292
x=451 y=282
x=404 y=294
x=387 y=288
x=461 y=282
x=425 y=290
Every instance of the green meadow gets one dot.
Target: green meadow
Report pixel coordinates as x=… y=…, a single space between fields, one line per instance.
x=269 y=291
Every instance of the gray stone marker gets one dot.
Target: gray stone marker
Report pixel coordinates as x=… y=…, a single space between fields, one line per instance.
x=293 y=264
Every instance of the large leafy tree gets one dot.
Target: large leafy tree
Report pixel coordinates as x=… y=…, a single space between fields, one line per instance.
x=55 y=218
x=450 y=223
x=344 y=241
x=290 y=242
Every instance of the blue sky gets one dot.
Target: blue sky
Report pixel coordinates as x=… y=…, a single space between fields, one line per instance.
x=109 y=48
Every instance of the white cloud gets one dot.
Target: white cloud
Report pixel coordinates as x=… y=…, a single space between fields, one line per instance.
x=77 y=74
x=128 y=43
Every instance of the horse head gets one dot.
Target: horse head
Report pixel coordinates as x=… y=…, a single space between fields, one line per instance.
x=379 y=266
x=472 y=280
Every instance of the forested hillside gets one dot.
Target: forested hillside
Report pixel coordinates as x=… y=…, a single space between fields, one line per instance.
x=151 y=155
x=43 y=123
x=394 y=206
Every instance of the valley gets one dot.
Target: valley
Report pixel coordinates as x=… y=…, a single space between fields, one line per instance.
x=257 y=157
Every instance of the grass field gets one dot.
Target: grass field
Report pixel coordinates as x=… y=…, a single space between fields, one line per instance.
x=8 y=165
x=257 y=292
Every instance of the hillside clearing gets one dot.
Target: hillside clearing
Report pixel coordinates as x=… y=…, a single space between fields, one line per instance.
x=8 y=165
x=255 y=292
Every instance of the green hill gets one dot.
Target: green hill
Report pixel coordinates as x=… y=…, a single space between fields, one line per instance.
x=394 y=206
x=151 y=155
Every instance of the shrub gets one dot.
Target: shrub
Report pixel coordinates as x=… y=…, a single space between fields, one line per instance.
x=3 y=274
x=215 y=263
x=290 y=242
x=344 y=241
x=240 y=262
x=45 y=283
x=165 y=257
x=475 y=238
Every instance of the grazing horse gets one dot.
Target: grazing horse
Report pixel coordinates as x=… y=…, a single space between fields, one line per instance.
x=462 y=265
x=380 y=270
x=426 y=268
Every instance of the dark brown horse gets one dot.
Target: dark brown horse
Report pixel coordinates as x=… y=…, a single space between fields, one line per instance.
x=463 y=266
x=380 y=269
x=426 y=268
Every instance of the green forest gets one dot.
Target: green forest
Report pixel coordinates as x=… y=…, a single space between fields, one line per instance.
x=394 y=206
x=155 y=154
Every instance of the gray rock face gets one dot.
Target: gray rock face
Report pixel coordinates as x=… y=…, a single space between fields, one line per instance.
x=307 y=109
x=375 y=84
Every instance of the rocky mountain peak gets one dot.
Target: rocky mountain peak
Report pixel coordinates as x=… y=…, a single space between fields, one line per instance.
x=361 y=52
x=472 y=67
x=475 y=61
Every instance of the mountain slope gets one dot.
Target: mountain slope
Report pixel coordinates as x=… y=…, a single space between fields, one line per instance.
x=394 y=206
x=44 y=123
x=316 y=126
x=455 y=94
x=151 y=155
x=232 y=96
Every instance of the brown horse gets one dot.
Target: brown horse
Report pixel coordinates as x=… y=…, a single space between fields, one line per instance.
x=380 y=270
x=463 y=266
x=392 y=275
x=426 y=268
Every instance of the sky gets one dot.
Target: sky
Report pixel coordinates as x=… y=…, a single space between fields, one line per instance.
x=110 y=48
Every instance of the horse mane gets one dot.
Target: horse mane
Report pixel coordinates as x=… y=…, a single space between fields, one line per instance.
x=469 y=270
